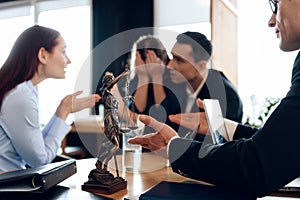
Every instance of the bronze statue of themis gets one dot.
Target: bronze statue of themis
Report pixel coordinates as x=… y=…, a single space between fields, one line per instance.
x=100 y=179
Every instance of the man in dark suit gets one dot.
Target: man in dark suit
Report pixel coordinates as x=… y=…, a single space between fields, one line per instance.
x=258 y=162
x=189 y=66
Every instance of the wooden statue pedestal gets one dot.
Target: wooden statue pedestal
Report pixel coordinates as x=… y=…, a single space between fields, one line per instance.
x=119 y=184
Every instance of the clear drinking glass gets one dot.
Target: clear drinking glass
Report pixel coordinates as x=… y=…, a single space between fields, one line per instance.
x=131 y=153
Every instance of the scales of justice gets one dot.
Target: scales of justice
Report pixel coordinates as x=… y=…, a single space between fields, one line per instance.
x=100 y=180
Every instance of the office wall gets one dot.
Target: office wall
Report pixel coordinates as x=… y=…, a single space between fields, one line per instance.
x=111 y=17
x=224 y=17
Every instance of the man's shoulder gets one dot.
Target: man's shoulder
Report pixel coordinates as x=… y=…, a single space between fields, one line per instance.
x=217 y=72
x=214 y=74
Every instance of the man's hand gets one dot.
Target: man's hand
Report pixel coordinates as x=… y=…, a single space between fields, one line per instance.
x=154 y=141
x=192 y=120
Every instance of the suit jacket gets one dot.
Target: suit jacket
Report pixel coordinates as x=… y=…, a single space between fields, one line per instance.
x=217 y=86
x=256 y=161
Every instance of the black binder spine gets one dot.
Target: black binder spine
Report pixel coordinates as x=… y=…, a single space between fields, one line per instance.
x=52 y=178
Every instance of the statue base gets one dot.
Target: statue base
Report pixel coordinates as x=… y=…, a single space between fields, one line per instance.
x=104 y=189
x=103 y=182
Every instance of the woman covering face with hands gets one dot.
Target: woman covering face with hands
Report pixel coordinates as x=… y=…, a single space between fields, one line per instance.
x=148 y=59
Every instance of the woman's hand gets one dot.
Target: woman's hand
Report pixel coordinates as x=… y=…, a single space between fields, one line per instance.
x=140 y=67
x=192 y=120
x=71 y=104
x=155 y=67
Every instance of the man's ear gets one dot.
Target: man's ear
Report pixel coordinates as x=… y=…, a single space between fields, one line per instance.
x=201 y=65
x=43 y=55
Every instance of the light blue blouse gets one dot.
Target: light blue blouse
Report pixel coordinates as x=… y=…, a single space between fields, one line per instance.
x=21 y=139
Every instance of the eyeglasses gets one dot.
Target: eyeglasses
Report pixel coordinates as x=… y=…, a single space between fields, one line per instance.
x=274 y=5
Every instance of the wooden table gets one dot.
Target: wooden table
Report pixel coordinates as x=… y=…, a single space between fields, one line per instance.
x=153 y=171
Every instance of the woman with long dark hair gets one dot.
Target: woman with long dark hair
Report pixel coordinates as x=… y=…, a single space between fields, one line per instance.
x=38 y=53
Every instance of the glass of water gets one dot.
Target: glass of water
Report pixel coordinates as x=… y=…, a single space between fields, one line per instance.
x=131 y=153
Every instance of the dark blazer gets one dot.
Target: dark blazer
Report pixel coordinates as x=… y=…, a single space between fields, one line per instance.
x=256 y=161
x=217 y=86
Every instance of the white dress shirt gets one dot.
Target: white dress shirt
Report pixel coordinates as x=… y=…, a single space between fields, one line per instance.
x=21 y=139
x=191 y=96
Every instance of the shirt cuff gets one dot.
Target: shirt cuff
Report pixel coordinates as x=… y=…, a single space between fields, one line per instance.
x=170 y=143
x=230 y=129
x=59 y=128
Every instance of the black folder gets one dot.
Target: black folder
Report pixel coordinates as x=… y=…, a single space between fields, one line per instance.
x=191 y=190
x=37 y=179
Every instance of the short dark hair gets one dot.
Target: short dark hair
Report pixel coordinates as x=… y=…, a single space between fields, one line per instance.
x=201 y=46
